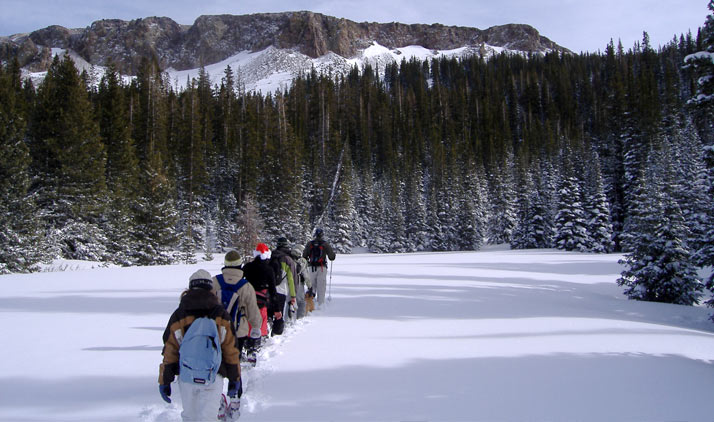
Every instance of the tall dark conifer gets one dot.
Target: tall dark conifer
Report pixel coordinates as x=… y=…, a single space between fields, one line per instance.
x=70 y=158
x=122 y=167
x=21 y=242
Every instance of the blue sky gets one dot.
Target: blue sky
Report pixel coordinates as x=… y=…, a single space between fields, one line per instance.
x=580 y=25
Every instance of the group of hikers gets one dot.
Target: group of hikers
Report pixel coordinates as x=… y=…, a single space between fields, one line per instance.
x=222 y=320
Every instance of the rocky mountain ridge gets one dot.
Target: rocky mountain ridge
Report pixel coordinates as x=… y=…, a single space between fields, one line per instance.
x=215 y=38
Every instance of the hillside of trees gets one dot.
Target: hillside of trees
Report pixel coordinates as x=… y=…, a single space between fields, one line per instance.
x=593 y=152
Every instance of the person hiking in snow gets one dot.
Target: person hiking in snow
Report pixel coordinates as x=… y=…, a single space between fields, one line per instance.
x=261 y=276
x=284 y=268
x=201 y=398
x=238 y=298
x=317 y=252
x=301 y=281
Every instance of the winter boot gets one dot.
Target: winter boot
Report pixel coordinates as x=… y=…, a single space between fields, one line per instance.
x=309 y=302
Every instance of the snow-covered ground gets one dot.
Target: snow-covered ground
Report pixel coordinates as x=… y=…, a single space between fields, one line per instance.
x=494 y=335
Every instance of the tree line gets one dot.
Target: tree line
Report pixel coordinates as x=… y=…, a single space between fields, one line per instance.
x=592 y=152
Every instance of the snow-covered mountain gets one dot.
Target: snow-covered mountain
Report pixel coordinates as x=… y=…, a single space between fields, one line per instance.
x=265 y=50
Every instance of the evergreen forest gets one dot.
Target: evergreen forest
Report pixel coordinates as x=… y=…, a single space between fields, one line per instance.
x=605 y=152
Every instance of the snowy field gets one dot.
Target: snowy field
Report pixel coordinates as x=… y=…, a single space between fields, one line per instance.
x=495 y=335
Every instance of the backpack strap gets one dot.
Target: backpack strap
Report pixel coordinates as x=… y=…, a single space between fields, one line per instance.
x=231 y=306
x=221 y=281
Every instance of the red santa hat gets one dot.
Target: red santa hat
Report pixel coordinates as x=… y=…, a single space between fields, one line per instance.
x=263 y=251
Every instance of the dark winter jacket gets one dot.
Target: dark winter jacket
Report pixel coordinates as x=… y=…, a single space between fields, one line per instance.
x=327 y=250
x=197 y=303
x=261 y=276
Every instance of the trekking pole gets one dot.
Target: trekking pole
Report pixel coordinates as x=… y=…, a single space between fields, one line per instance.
x=329 y=289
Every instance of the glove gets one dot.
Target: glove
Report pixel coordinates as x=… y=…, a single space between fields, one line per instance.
x=165 y=391
x=235 y=388
x=255 y=332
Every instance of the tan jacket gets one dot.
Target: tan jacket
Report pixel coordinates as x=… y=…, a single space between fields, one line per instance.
x=197 y=303
x=244 y=297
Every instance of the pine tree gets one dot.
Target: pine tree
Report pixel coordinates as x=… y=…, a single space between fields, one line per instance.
x=417 y=228
x=155 y=210
x=702 y=63
x=20 y=240
x=705 y=255
x=472 y=216
x=122 y=167
x=659 y=267
x=502 y=192
x=70 y=160
x=597 y=210
x=535 y=228
x=571 y=227
x=345 y=215
x=250 y=227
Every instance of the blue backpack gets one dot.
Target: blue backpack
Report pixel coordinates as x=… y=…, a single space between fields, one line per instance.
x=200 y=352
x=227 y=292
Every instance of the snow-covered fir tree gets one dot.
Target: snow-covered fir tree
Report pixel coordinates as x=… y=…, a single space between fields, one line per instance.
x=21 y=242
x=571 y=225
x=71 y=186
x=597 y=209
x=502 y=195
x=659 y=264
x=417 y=229
x=684 y=150
x=704 y=257
x=345 y=214
x=250 y=227
x=122 y=167
x=703 y=62
x=535 y=227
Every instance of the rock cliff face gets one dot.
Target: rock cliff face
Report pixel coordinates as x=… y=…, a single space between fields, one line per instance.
x=212 y=39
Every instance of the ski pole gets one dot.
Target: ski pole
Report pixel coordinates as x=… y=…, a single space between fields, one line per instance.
x=329 y=289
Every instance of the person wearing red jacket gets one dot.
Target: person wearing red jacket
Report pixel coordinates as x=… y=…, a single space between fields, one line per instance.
x=261 y=276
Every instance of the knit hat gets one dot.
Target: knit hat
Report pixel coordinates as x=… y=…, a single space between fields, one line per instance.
x=318 y=233
x=297 y=250
x=282 y=242
x=233 y=259
x=262 y=251
x=200 y=279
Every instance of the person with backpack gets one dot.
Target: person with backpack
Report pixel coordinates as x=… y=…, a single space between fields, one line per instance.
x=284 y=268
x=301 y=281
x=317 y=252
x=199 y=348
x=238 y=297
x=261 y=276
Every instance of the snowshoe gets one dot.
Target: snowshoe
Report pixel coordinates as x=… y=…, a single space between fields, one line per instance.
x=223 y=410
x=251 y=358
x=233 y=411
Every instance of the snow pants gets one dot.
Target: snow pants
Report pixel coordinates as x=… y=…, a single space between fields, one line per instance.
x=201 y=402
x=261 y=297
x=300 y=298
x=318 y=279
x=280 y=304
